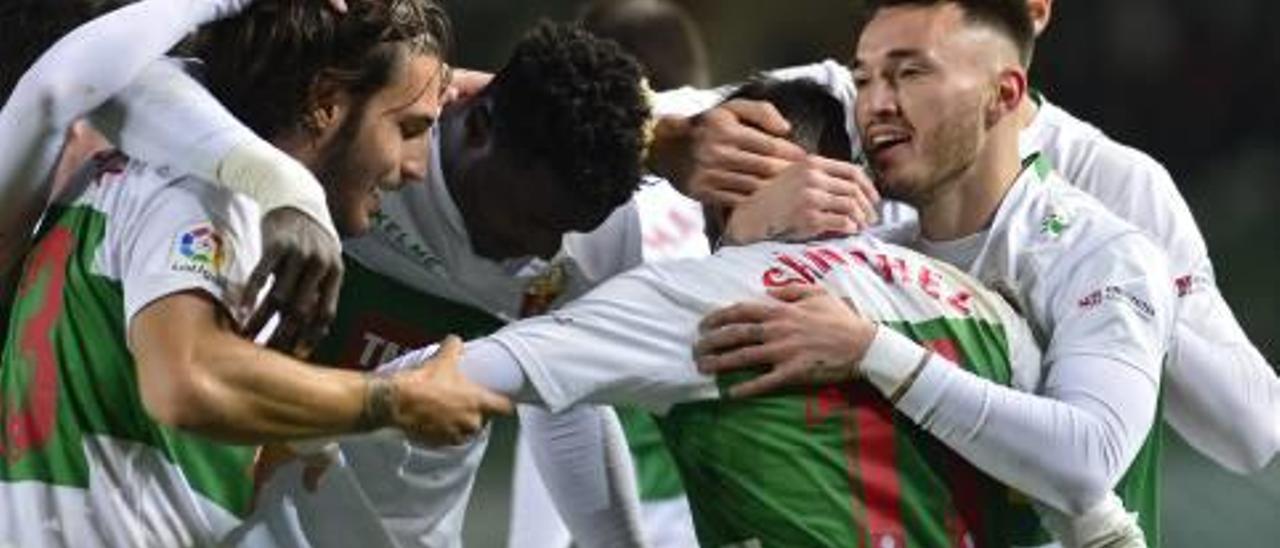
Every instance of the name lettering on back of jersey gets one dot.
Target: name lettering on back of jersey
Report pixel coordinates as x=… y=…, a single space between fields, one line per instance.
x=201 y=249
x=817 y=261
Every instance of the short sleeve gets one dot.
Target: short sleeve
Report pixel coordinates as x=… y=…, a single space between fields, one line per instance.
x=1114 y=300
x=629 y=341
x=188 y=235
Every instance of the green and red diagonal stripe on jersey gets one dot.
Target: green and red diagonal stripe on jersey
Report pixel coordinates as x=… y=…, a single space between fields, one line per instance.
x=67 y=375
x=836 y=466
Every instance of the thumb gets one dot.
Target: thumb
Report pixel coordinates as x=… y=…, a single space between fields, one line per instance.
x=450 y=350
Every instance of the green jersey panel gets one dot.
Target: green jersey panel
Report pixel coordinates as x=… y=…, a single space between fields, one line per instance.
x=836 y=466
x=379 y=319
x=67 y=375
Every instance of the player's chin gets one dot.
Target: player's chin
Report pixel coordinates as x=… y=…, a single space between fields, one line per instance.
x=356 y=221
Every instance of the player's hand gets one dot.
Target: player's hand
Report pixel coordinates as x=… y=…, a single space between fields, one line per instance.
x=435 y=404
x=722 y=156
x=272 y=456
x=811 y=338
x=814 y=197
x=339 y=6
x=467 y=83
x=306 y=261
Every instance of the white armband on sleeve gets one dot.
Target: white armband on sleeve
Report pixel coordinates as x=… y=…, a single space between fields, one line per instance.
x=274 y=180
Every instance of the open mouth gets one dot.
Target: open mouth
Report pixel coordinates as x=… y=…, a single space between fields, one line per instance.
x=884 y=141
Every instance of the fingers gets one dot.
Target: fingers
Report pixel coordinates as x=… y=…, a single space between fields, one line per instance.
x=738 y=313
x=729 y=337
x=849 y=191
x=745 y=162
x=744 y=357
x=449 y=352
x=258 y=280
x=339 y=6
x=491 y=403
x=314 y=471
x=760 y=114
x=468 y=83
x=328 y=310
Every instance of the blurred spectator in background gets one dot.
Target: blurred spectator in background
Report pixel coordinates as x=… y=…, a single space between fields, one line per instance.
x=659 y=33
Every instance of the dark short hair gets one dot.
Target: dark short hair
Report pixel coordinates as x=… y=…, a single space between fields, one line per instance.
x=262 y=64
x=817 y=118
x=1010 y=18
x=660 y=33
x=575 y=102
x=32 y=26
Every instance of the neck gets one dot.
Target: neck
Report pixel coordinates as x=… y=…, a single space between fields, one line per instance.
x=1027 y=110
x=967 y=204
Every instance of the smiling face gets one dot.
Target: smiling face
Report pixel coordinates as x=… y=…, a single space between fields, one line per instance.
x=376 y=143
x=924 y=77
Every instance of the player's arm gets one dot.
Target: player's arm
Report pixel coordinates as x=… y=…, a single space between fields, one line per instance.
x=580 y=452
x=79 y=72
x=197 y=374
x=167 y=117
x=583 y=459
x=1095 y=411
x=1229 y=408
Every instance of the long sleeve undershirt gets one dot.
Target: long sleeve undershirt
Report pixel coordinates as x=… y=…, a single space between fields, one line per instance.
x=1066 y=447
x=581 y=453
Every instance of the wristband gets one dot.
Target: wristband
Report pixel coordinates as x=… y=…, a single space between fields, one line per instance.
x=274 y=179
x=892 y=361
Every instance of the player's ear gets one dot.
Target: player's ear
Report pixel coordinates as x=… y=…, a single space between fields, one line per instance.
x=327 y=105
x=1041 y=11
x=1009 y=89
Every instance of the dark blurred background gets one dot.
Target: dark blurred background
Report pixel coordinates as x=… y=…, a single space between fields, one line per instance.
x=1194 y=84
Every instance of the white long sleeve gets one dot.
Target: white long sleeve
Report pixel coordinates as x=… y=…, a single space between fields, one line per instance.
x=581 y=453
x=167 y=117
x=584 y=462
x=1223 y=396
x=1067 y=447
x=78 y=73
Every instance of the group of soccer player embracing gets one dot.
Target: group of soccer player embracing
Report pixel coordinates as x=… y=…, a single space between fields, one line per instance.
x=913 y=303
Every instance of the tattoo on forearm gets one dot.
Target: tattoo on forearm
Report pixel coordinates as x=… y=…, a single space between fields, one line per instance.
x=376 y=412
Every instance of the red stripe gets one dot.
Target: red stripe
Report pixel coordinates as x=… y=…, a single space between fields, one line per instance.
x=876 y=455
x=963 y=477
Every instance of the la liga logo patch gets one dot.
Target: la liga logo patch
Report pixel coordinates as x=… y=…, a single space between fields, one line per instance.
x=201 y=250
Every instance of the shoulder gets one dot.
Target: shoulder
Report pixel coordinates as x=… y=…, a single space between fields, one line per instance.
x=1101 y=166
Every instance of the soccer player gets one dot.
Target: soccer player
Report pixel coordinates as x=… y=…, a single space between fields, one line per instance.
x=126 y=385
x=296 y=226
x=667 y=43
x=939 y=86
x=1222 y=395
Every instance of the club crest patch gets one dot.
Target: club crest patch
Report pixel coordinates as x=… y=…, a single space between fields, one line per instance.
x=202 y=250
